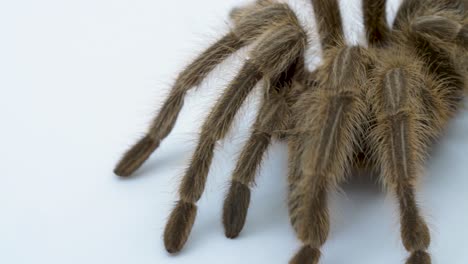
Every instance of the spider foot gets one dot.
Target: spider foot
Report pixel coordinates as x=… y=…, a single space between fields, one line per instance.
x=179 y=226
x=308 y=255
x=235 y=209
x=136 y=156
x=419 y=257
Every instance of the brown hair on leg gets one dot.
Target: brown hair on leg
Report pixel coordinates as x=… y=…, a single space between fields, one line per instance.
x=411 y=9
x=216 y=126
x=327 y=13
x=329 y=123
x=308 y=253
x=400 y=139
x=272 y=117
x=277 y=49
x=249 y=25
x=375 y=22
x=162 y=125
x=436 y=40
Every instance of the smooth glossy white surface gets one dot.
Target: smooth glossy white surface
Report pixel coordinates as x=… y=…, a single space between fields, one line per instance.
x=80 y=81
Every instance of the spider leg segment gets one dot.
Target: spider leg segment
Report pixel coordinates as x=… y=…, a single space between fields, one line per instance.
x=410 y=9
x=435 y=36
x=214 y=129
x=412 y=96
x=320 y=219
x=405 y=103
x=329 y=22
x=277 y=49
x=252 y=23
x=332 y=118
x=272 y=117
x=440 y=61
x=279 y=43
x=192 y=76
x=438 y=26
x=375 y=22
x=307 y=254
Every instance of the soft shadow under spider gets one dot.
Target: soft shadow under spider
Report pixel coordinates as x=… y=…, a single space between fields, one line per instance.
x=268 y=215
x=360 y=184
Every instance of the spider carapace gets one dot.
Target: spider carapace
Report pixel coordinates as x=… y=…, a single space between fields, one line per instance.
x=387 y=101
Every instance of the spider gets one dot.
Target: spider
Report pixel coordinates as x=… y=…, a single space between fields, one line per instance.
x=379 y=107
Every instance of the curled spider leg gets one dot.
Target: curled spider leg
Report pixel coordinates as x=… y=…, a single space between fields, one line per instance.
x=333 y=116
x=277 y=49
x=253 y=21
x=272 y=117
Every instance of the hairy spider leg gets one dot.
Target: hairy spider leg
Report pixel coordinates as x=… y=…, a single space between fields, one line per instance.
x=253 y=22
x=335 y=115
x=400 y=141
x=375 y=22
x=412 y=101
x=272 y=120
x=332 y=116
x=277 y=49
x=330 y=25
x=164 y=122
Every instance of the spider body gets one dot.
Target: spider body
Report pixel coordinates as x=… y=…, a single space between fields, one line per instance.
x=378 y=107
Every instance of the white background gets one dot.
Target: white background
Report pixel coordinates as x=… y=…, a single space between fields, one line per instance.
x=80 y=81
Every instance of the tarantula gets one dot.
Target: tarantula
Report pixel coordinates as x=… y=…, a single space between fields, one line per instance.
x=378 y=107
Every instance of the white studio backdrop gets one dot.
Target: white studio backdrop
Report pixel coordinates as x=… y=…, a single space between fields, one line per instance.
x=80 y=82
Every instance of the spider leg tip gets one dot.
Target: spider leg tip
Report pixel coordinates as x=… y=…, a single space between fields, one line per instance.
x=172 y=249
x=231 y=234
x=179 y=226
x=235 y=209
x=136 y=156
x=307 y=255
x=122 y=170
x=419 y=257
x=120 y=173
